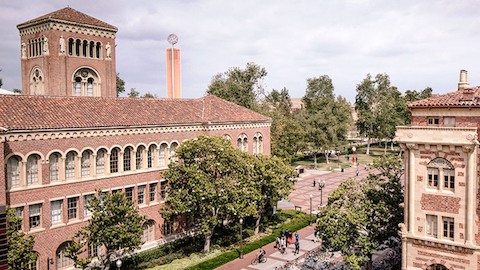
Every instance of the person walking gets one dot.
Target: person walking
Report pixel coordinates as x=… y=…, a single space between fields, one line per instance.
x=297 y=247
x=297 y=236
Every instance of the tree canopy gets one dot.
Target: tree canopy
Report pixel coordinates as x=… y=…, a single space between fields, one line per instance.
x=20 y=247
x=363 y=214
x=212 y=182
x=240 y=86
x=115 y=226
x=120 y=85
x=326 y=118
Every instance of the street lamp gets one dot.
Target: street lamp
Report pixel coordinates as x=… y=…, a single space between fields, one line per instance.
x=119 y=264
x=321 y=185
x=241 y=238
x=310 y=220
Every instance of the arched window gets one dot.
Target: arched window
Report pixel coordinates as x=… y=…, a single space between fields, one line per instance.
x=33 y=266
x=77 y=47
x=441 y=174
x=70 y=165
x=162 y=155
x=86 y=82
x=148 y=231
x=173 y=147
x=437 y=267
x=70 y=46
x=32 y=169
x=62 y=260
x=258 y=143
x=85 y=47
x=150 y=155
x=114 y=160
x=37 y=83
x=242 y=142
x=139 y=157
x=98 y=50
x=227 y=137
x=53 y=160
x=13 y=171
x=86 y=163
x=100 y=162
x=127 y=159
x=91 y=49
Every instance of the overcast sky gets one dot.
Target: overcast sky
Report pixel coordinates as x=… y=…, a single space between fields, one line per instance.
x=417 y=43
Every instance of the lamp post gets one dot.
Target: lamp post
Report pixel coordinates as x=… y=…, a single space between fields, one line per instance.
x=321 y=185
x=310 y=220
x=119 y=264
x=241 y=238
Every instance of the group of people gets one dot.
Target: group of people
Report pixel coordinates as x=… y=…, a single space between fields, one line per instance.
x=285 y=239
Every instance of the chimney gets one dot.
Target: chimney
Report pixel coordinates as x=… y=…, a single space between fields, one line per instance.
x=463 y=83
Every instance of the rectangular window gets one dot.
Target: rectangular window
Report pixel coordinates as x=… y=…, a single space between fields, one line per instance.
x=85 y=164
x=449 y=121
x=34 y=215
x=56 y=211
x=86 y=199
x=129 y=193
x=139 y=158
x=72 y=208
x=433 y=178
x=150 y=152
x=431 y=226
x=100 y=162
x=161 y=156
x=448 y=228
x=163 y=190
x=433 y=121
x=53 y=168
x=19 y=214
x=32 y=170
x=114 y=161
x=153 y=192
x=141 y=194
x=449 y=179
x=70 y=166
x=168 y=227
x=126 y=160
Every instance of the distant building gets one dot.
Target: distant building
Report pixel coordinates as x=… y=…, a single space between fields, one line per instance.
x=442 y=207
x=70 y=136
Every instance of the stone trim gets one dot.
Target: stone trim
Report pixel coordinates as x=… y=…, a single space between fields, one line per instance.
x=54 y=24
x=101 y=132
x=432 y=245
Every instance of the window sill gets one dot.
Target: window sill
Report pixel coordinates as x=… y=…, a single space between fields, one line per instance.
x=57 y=225
x=36 y=230
x=74 y=221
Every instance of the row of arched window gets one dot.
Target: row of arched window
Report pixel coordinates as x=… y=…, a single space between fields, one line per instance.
x=74 y=165
x=35 y=47
x=242 y=142
x=84 y=48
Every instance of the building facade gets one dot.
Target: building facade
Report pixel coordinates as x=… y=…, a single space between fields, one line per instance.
x=62 y=142
x=441 y=228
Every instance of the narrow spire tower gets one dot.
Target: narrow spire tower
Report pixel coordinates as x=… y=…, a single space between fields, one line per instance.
x=173 y=69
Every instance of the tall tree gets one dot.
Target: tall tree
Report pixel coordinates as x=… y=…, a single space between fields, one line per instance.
x=20 y=247
x=116 y=225
x=210 y=183
x=362 y=215
x=327 y=119
x=273 y=181
x=286 y=135
x=241 y=86
x=120 y=84
x=414 y=95
x=380 y=108
x=133 y=93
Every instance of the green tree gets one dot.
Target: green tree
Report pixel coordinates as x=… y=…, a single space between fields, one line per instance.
x=133 y=93
x=380 y=108
x=120 y=85
x=115 y=225
x=1 y=81
x=17 y=91
x=273 y=181
x=149 y=95
x=20 y=247
x=414 y=95
x=209 y=184
x=286 y=135
x=362 y=215
x=326 y=119
x=240 y=86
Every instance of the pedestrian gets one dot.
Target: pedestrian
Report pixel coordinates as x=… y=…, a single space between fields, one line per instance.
x=283 y=246
x=316 y=234
x=297 y=247
x=282 y=233
x=314 y=181
x=365 y=166
x=296 y=236
x=357 y=172
x=277 y=243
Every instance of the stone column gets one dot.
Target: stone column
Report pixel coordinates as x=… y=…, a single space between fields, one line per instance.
x=411 y=188
x=470 y=196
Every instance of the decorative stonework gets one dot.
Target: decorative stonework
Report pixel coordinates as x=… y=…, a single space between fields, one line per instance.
x=68 y=27
x=435 y=247
x=82 y=133
x=440 y=203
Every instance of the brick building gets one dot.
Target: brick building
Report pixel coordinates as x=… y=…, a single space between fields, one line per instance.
x=69 y=136
x=442 y=225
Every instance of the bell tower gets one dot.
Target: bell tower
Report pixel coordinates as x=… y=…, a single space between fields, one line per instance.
x=68 y=53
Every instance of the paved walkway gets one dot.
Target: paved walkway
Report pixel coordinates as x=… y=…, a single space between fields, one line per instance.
x=300 y=199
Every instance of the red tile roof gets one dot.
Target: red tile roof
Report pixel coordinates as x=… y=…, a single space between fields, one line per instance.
x=22 y=112
x=469 y=97
x=71 y=15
